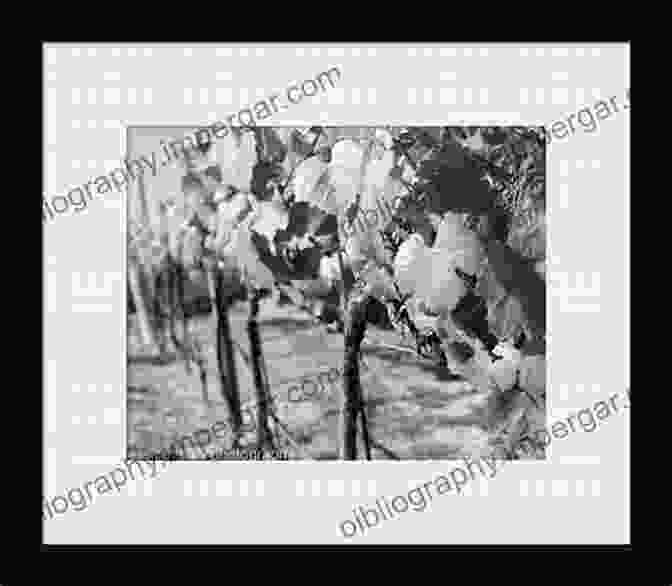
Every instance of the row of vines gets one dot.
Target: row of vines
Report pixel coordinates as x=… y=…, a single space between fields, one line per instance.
x=457 y=267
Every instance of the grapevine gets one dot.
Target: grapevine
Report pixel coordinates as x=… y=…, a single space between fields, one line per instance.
x=453 y=251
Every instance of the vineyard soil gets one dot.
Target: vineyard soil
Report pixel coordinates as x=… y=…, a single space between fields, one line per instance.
x=415 y=411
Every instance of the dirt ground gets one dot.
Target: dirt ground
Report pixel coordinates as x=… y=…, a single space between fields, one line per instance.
x=416 y=411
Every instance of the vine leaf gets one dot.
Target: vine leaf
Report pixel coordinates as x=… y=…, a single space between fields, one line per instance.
x=430 y=274
x=237 y=156
x=270 y=218
x=452 y=181
x=243 y=248
x=309 y=182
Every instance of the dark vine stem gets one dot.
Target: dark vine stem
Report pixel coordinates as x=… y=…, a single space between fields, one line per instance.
x=137 y=281
x=199 y=359
x=427 y=342
x=177 y=305
x=160 y=292
x=365 y=431
x=226 y=361
x=279 y=424
x=353 y=403
x=343 y=290
x=264 y=435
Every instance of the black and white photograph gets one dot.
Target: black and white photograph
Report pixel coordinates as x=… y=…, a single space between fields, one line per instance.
x=337 y=293
x=294 y=292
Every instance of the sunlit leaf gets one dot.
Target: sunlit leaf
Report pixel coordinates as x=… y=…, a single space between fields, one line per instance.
x=364 y=246
x=306 y=183
x=429 y=274
x=453 y=237
x=378 y=282
x=237 y=156
x=270 y=216
x=229 y=214
x=247 y=256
